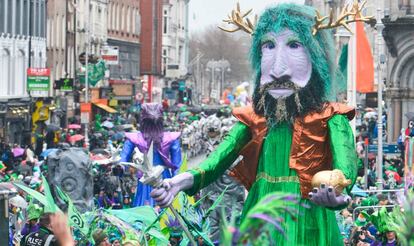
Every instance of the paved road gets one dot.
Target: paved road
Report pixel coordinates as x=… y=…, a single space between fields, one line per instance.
x=196 y=160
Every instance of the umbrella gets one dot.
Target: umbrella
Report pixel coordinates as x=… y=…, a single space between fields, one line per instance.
x=118 y=136
x=127 y=126
x=358 y=191
x=410 y=115
x=74 y=126
x=98 y=134
x=52 y=127
x=17 y=151
x=18 y=201
x=47 y=152
x=76 y=138
x=108 y=124
x=370 y=115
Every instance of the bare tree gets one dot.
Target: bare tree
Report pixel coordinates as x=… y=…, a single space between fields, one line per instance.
x=215 y=44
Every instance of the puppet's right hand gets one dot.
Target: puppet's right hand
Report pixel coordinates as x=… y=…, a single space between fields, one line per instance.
x=165 y=194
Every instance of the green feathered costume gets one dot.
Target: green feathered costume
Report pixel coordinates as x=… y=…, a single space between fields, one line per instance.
x=316 y=225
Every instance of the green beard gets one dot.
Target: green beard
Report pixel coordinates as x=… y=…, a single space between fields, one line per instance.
x=300 y=103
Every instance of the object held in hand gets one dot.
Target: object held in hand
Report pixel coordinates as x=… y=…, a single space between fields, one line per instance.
x=334 y=178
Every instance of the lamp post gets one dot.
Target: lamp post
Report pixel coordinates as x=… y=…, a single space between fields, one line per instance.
x=381 y=61
x=211 y=68
x=220 y=66
x=88 y=36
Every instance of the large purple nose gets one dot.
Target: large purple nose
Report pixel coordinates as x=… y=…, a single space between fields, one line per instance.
x=281 y=70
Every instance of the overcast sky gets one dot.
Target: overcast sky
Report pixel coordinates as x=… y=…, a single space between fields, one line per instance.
x=208 y=12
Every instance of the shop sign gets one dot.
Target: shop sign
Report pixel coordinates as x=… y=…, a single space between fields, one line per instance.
x=38 y=79
x=64 y=84
x=113 y=102
x=122 y=89
x=110 y=54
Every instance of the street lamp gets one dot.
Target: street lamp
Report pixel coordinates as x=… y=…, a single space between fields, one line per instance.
x=381 y=61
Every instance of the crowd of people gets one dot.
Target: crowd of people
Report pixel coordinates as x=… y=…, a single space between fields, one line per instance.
x=200 y=135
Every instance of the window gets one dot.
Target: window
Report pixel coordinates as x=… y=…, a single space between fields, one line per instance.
x=118 y=18
x=42 y=32
x=63 y=32
x=137 y=22
x=20 y=73
x=19 y=16
x=128 y=20
x=2 y=16
x=5 y=70
x=10 y=16
x=110 y=16
x=123 y=18
x=25 y=15
x=165 y=22
x=113 y=17
x=164 y=61
x=32 y=26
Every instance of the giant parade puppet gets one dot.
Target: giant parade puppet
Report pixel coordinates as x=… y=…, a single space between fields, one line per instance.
x=166 y=148
x=294 y=138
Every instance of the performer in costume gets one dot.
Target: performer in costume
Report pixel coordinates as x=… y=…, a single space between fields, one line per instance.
x=167 y=148
x=292 y=131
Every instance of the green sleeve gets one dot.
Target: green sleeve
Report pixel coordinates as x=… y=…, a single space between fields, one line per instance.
x=221 y=159
x=344 y=155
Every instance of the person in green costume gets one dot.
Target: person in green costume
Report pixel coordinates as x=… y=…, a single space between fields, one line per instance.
x=291 y=132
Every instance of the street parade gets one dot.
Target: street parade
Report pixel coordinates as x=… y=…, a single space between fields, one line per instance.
x=147 y=122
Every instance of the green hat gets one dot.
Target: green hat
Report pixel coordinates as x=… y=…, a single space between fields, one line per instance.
x=370 y=201
x=361 y=220
x=34 y=211
x=99 y=236
x=383 y=220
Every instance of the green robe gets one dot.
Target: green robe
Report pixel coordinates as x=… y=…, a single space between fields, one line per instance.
x=316 y=225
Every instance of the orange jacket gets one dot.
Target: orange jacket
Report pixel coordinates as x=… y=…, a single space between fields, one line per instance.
x=310 y=151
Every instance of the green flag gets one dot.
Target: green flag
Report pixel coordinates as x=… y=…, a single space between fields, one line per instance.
x=76 y=219
x=33 y=193
x=50 y=207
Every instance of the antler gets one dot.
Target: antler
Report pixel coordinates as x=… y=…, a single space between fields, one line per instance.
x=240 y=21
x=353 y=11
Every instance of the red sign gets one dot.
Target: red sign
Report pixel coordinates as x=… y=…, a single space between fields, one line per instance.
x=38 y=72
x=110 y=57
x=86 y=107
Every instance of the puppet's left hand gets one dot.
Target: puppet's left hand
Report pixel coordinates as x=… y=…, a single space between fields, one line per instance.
x=326 y=197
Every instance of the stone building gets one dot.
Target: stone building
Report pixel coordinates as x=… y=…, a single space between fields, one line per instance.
x=399 y=38
x=175 y=38
x=398 y=51
x=124 y=27
x=22 y=28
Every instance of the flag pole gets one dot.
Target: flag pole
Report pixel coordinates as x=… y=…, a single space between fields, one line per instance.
x=351 y=74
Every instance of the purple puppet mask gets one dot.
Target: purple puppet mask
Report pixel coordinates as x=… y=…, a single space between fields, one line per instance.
x=286 y=61
x=151 y=123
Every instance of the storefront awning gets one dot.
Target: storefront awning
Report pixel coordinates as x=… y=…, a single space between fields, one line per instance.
x=106 y=108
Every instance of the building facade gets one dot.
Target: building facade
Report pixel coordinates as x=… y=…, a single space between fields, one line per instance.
x=175 y=50
x=151 y=49
x=124 y=27
x=399 y=39
x=22 y=32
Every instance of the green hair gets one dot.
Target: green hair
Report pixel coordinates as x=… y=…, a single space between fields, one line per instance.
x=300 y=19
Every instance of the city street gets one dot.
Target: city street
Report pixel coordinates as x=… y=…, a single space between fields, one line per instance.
x=194 y=122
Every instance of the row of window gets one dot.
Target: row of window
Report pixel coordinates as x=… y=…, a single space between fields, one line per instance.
x=15 y=17
x=13 y=71
x=124 y=18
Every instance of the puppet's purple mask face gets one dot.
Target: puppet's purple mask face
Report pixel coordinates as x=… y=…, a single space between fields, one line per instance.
x=285 y=62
